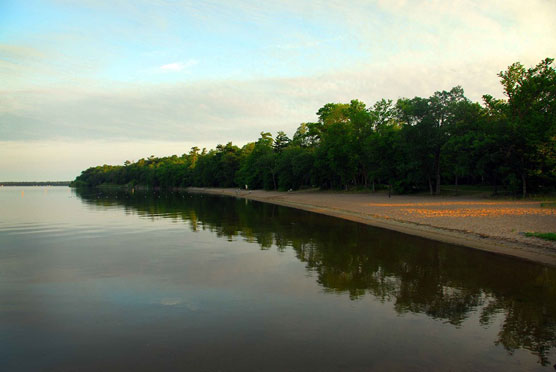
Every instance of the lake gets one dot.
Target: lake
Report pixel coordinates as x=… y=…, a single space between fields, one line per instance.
x=112 y=280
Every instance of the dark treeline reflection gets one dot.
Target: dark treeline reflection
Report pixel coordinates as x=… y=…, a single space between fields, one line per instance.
x=444 y=282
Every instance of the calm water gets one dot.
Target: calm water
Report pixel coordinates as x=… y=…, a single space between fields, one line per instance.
x=173 y=281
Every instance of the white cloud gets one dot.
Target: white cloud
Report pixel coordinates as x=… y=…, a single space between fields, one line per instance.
x=178 y=66
x=52 y=160
x=400 y=48
x=225 y=110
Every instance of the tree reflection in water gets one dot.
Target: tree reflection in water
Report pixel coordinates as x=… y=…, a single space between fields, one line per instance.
x=416 y=275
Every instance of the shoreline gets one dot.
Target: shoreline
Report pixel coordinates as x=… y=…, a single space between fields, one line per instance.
x=470 y=222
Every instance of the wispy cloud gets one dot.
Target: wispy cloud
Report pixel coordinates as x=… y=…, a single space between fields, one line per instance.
x=220 y=111
x=264 y=66
x=179 y=66
x=48 y=159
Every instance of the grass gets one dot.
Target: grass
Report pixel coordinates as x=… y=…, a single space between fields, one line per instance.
x=545 y=236
x=548 y=205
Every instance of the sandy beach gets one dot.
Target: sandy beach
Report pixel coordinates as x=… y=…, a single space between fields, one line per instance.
x=495 y=226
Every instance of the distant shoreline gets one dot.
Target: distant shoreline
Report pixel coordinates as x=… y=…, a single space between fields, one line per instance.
x=35 y=183
x=493 y=226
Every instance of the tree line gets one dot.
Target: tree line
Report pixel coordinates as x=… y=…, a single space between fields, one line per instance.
x=35 y=183
x=412 y=144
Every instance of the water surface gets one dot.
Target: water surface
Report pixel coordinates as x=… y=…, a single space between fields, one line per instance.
x=173 y=281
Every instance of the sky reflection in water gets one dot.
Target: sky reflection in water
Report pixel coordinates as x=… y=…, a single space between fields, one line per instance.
x=95 y=280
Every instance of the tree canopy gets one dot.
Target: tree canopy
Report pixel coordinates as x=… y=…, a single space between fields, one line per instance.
x=409 y=145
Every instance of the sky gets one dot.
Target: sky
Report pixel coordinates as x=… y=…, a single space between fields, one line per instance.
x=85 y=83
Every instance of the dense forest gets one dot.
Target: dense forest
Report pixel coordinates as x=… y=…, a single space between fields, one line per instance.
x=412 y=144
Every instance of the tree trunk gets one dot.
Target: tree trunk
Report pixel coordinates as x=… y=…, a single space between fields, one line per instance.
x=524 y=182
x=373 y=185
x=365 y=179
x=437 y=161
x=389 y=189
x=430 y=186
x=456 y=184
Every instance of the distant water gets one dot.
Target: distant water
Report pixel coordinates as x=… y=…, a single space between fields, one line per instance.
x=97 y=281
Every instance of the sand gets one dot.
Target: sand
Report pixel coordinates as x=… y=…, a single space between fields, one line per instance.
x=490 y=225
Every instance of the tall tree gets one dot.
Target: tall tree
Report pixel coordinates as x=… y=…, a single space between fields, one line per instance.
x=532 y=118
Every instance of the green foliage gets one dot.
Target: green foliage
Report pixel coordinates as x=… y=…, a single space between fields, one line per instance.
x=530 y=113
x=294 y=168
x=414 y=144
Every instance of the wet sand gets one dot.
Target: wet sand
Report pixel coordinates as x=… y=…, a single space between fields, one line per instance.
x=495 y=226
